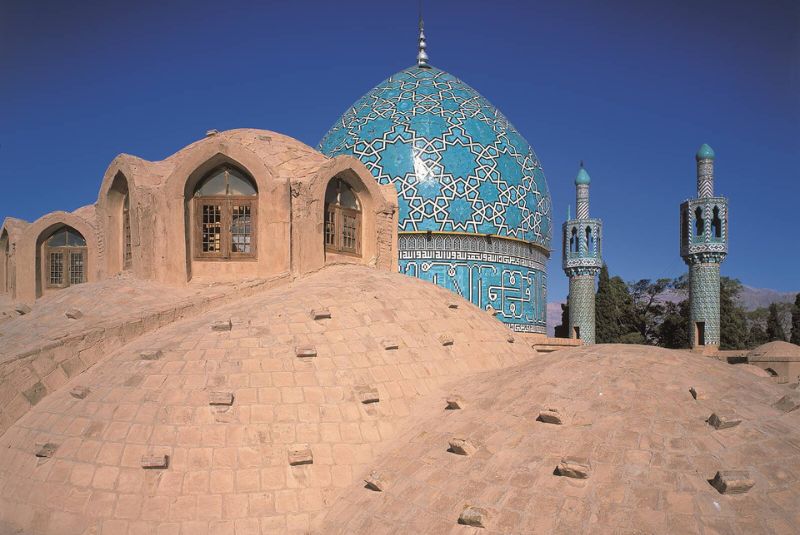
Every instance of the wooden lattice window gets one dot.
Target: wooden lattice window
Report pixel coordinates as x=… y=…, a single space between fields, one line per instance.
x=225 y=215
x=342 y=218
x=65 y=258
x=126 y=233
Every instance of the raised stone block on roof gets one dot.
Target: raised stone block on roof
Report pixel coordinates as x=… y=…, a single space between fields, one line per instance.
x=721 y=421
x=454 y=403
x=46 y=450
x=150 y=354
x=320 y=314
x=788 y=403
x=461 y=446
x=552 y=415
x=375 y=481
x=155 y=461
x=697 y=394
x=221 y=326
x=452 y=304
x=445 y=339
x=390 y=344
x=574 y=467
x=300 y=454
x=22 y=309
x=218 y=397
x=473 y=516
x=732 y=481
x=367 y=394
x=73 y=314
x=79 y=392
x=305 y=351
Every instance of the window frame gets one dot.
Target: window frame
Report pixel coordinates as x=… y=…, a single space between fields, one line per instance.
x=66 y=253
x=226 y=204
x=339 y=212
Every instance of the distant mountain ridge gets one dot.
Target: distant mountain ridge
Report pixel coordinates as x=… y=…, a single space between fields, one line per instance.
x=750 y=298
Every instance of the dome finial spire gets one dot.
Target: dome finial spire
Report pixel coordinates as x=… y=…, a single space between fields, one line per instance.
x=422 y=56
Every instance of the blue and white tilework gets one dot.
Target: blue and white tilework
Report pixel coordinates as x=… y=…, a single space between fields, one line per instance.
x=459 y=167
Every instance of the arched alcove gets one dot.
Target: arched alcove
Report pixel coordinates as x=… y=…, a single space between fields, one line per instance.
x=62 y=258
x=5 y=254
x=342 y=231
x=119 y=246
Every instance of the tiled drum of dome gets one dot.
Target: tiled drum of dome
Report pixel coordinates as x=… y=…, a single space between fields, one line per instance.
x=461 y=170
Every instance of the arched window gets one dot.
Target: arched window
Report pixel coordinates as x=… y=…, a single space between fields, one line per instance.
x=4 y=251
x=225 y=215
x=127 y=252
x=716 y=224
x=699 y=222
x=65 y=256
x=589 y=240
x=573 y=241
x=342 y=218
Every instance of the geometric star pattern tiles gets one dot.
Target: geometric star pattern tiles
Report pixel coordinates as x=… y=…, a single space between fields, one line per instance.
x=457 y=163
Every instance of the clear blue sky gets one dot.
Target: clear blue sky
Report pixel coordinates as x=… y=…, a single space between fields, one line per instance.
x=631 y=87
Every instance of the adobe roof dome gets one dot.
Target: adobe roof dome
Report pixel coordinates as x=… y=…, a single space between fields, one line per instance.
x=389 y=339
x=774 y=351
x=628 y=412
x=458 y=164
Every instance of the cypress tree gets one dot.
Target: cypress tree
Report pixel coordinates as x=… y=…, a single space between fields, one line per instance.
x=613 y=309
x=562 y=331
x=774 y=326
x=796 y=321
x=732 y=318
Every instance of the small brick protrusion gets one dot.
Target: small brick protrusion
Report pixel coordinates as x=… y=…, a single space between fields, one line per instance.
x=551 y=416
x=718 y=421
x=79 y=392
x=390 y=344
x=153 y=461
x=732 y=481
x=220 y=398
x=151 y=354
x=367 y=394
x=454 y=403
x=574 y=467
x=375 y=481
x=445 y=339
x=321 y=314
x=510 y=338
x=452 y=304
x=305 y=351
x=301 y=454
x=22 y=309
x=788 y=403
x=696 y=394
x=473 y=516
x=46 y=450
x=73 y=314
x=461 y=446
x=221 y=326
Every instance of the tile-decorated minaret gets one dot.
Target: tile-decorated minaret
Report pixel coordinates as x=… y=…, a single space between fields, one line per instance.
x=582 y=261
x=704 y=245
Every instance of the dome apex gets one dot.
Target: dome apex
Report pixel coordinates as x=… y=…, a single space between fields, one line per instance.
x=583 y=177
x=705 y=152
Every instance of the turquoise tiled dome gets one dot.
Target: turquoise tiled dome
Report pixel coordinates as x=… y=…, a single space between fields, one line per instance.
x=456 y=161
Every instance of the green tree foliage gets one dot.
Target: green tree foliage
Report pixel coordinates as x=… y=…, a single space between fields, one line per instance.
x=648 y=306
x=774 y=325
x=756 y=336
x=673 y=331
x=613 y=309
x=796 y=321
x=562 y=331
x=732 y=318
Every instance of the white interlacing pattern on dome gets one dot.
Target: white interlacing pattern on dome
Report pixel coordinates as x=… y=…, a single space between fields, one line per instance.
x=471 y=169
